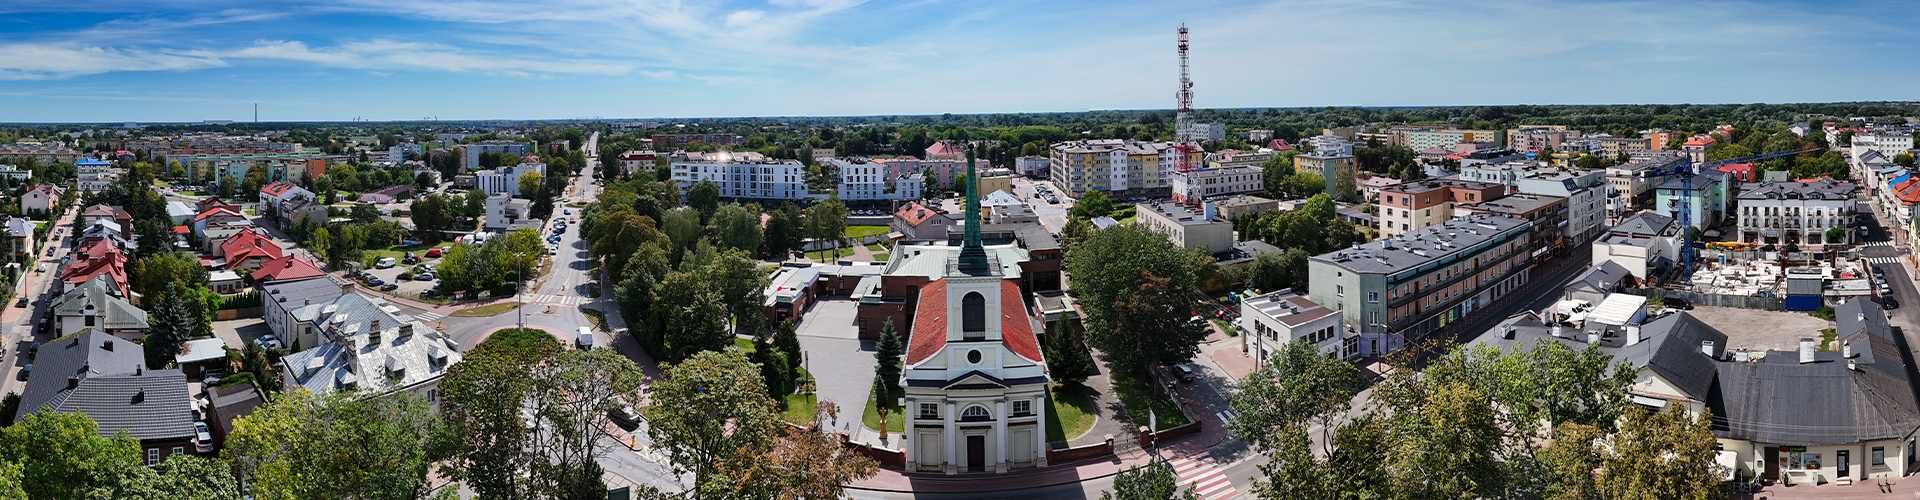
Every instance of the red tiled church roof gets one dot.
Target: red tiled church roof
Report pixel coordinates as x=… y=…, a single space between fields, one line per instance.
x=930 y=323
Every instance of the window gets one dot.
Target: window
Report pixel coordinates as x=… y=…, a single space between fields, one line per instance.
x=176 y=451
x=153 y=457
x=1022 y=407
x=929 y=411
x=973 y=313
x=975 y=413
x=89 y=320
x=1373 y=296
x=1879 y=456
x=1339 y=291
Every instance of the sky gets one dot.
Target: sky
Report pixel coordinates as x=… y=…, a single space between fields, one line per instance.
x=191 y=60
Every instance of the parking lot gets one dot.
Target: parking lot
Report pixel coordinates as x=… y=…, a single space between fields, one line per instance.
x=391 y=283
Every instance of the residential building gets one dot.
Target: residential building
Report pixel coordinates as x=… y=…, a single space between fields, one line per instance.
x=1548 y=214
x=40 y=200
x=1671 y=356
x=388 y=195
x=106 y=378
x=941 y=172
x=1328 y=145
x=1585 y=191
x=20 y=239
x=1644 y=243
x=1269 y=322
x=1619 y=147
x=1259 y=135
x=99 y=257
x=1405 y=287
x=290 y=306
x=11 y=176
x=1239 y=206
x=507 y=179
x=46 y=153
x=1739 y=172
x=1696 y=147
x=470 y=153
x=747 y=175
x=1705 y=195
x=1198 y=185
x=1425 y=138
x=677 y=142
x=1537 y=138
x=1410 y=206
x=366 y=345
x=98 y=303
x=916 y=222
x=975 y=377
x=862 y=180
x=229 y=403
x=1203 y=132
x=821 y=154
x=1032 y=166
x=1657 y=139
x=1630 y=184
x=1004 y=207
x=248 y=250
x=1889 y=141
x=506 y=213
x=93 y=175
x=945 y=150
x=1337 y=170
x=1371 y=185
x=286 y=268
x=637 y=161
x=219 y=168
x=1799 y=213
x=1116 y=165
x=1185 y=228
x=995 y=179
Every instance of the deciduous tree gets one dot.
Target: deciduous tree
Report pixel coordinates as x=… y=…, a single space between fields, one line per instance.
x=710 y=408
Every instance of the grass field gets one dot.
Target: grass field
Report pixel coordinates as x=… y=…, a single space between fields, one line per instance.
x=896 y=418
x=864 y=231
x=1225 y=327
x=1138 y=395
x=827 y=255
x=800 y=408
x=1070 y=412
x=486 y=310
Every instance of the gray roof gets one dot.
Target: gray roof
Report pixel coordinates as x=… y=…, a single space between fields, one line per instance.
x=1179 y=214
x=116 y=312
x=1643 y=224
x=1518 y=203
x=1778 y=399
x=1824 y=189
x=1670 y=347
x=297 y=294
x=104 y=377
x=404 y=354
x=1701 y=181
x=1603 y=276
x=19 y=227
x=1424 y=245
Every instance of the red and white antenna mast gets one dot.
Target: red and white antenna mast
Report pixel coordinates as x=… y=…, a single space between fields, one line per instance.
x=1182 y=115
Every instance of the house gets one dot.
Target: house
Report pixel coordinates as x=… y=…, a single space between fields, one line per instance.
x=286 y=268
x=1672 y=355
x=40 y=200
x=217 y=217
x=290 y=307
x=20 y=233
x=100 y=257
x=179 y=213
x=105 y=377
x=1270 y=321
x=98 y=303
x=1185 y=228
x=275 y=196
x=916 y=222
x=505 y=213
x=364 y=344
x=1706 y=196
x=227 y=404
x=107 y=213
x=1644 y=243
x=1598 y=281
x=225 y=281
x=304 y=211
x=975 y=378
x=247 y=250
x=945 y=150
x=197 y=355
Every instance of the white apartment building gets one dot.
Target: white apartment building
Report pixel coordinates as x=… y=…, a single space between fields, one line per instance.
x=741 y=175
x=1329 y=145
x=862 y=180
x=1418 y=140
x=93 y=175
x=1800 y=212
x=1585 y=191
x=1888 y=141
x=1184 y=227
x=506 y=179
x=1270 y=321
x=1115 y=165
x=1032 y=166
x=1199 y=185
x=1630 y=184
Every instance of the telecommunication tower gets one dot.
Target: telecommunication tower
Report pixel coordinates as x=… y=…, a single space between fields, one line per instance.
x=1182 y=115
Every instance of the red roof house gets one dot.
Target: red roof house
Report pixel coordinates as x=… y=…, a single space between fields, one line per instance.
x=248 y=249
x=946 y=150
x=286 y=268
x=107 y=212
x=1742 y=172
x=275 y=189
x=99 y=257
x=1279 y=145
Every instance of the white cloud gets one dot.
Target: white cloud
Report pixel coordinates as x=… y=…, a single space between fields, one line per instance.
x=745 y=18
x=401 y=55
x=39 y=61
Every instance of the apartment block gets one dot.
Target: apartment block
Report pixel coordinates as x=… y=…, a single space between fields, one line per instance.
x=1410 y=206
x=1796 y=212
x=506 y=179
x=1630 y=184
x=1116 y=165
x=1547 y=213
x=748 y=175
x=1332 y=168
x=1420 y=139
x=863 y=180
x=470 y=153
x=1393 y=290
x=1184 y=227
x=1199 y=185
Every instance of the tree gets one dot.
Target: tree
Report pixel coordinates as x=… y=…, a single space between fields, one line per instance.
x=475 y=204
x=692 y=316
x=1093 y=204
x=682 y=226
x=1065 y=348
x=1904 y=159
x=704 y=197
x=1296 y=387
x=710 y=408
x=804 y=463
x=1570 y=461
x=1292 y=471
x=887 y=356
x=363 y=213
x=339 y=445
x=531 y=186
x=783 y=233
x=1154 y=480
x=431 y=215
x=153 y=274
x=643 y=273
x=173 y=326
x=319 y=242
x=1835 y=235
x=1111 y=264
x=572 y=392
x=1660 y=455
x=1149 y=326
x=63 y=455
x=188 y=477
x=483 y=401
x=774 y=368
x=827 y=222
x=737 y=226
x=618 y=236
x=1271 y=271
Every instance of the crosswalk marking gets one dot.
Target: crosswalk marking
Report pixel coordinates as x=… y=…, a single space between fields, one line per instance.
x=429 y=316
x=547 y=298
x=1883 y=243
x=1207 y=478
x=1882 y=260
x=1227 y=415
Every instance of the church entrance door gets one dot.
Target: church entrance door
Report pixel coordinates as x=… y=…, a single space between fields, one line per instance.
x=976 y=453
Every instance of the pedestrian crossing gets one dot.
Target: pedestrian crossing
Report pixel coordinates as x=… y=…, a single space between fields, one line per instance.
x=429 y=316
x=547 y=298
x=1882 y=243
x=1226 y=416
x=1207 y=478
x=1882 y=260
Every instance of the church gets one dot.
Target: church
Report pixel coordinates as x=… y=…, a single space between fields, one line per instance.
x=975 y=378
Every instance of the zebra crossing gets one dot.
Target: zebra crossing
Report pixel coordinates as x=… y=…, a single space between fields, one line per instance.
x=1882 y=260
x=547 y=298
x=1881 y=243
x=429 y=316
x=1207 y=478
x=1226 y=416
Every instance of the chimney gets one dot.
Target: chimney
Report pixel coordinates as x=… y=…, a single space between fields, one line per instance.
x=106 y=345
x=1706 y=347
x=73 y=382
x=1507 y=332
x=1846 y=349
x=140 y=396
x=406 y=329
x=1633 y=334
x=1806 y=350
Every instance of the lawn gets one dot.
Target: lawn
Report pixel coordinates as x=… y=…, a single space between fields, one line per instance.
x=826 y=256
x=896 y=418
x=853 y=232
x=800 y=409
x=881 y=256
x=1071 y=411
x=1139 y=395
x=877 y=247
x=486 y=310
x=745 y=344
x=396 y=252
x=1225 y=327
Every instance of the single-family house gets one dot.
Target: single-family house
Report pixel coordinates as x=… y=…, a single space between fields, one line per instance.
x=98 y=303
x=106 y=378
x=40 y=200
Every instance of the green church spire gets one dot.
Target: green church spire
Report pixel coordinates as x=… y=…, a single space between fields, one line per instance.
x=973 y=256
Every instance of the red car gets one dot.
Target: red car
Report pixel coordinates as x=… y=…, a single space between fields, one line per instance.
x=433 y=253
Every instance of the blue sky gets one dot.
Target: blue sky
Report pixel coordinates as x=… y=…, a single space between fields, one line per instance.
x=181 y=60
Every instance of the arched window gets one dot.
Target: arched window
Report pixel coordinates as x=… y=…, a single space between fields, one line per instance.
x=973 y=314
x=975 y=413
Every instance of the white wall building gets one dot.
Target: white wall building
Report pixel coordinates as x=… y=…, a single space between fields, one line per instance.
x=741 y=175
x=1200 y=184
x=506 y=179
x=1585 y=191
x=862 y=180
x=1799 y=212
x=1270 y=321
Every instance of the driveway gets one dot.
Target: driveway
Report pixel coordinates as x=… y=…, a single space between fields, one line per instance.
x=842 y=369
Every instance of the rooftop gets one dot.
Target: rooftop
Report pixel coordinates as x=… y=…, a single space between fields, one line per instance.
x=1824 y=189
x=1287 y=308
x=1518 y=203
x=1425 y=245
x=1176 y=212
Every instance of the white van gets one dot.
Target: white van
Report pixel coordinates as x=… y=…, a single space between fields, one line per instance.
x=584 y=339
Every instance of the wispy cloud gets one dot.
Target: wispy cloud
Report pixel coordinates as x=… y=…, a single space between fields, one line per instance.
x=41 y=61
x=395 y=55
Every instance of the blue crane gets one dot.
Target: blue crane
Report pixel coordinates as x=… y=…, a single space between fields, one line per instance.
x=1683 y=209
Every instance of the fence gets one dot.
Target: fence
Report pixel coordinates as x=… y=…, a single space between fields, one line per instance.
x=1103 y=449
x=1712 y=299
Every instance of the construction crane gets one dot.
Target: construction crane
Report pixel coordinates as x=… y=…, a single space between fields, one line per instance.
x=1683 y=207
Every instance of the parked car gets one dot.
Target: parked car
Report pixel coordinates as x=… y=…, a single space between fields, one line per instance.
x=390 y=287
x=434 y=253
x=202 y=438
x=1681 y=304
x=583 y=339
x=26 y=371
x=384 y=263
x=376 y=281
x=623 y=415
x=268 y=341
x=20 y=303
x=1889 y=303
x=404 y=276
x=424 y=277
x=409 y=258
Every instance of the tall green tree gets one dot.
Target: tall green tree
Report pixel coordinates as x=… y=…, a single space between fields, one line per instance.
x=1667 y=454
x=1151 y=481
x=172 y=326
x=1090 y=205
x=692 y=316
x=337 y=446
x=1297 y=386
x=737 y=226
x=63 y=455
x=704 y=197
x=710 y=408
x=484 y=402
x=682 y=227
x=888 y=355
x=827 y=222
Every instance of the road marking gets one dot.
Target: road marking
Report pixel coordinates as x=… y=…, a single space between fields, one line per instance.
x=429 y=316
x=1227 y=415
x=1882 y=260
x=1207 y=478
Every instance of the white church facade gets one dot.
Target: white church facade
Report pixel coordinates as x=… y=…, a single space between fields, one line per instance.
x=975 y=378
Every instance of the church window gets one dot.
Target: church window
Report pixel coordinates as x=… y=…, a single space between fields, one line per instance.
x=1022 y=407
x=973 y=315
x=976 y=413
x=973 y=356
x=929 y=410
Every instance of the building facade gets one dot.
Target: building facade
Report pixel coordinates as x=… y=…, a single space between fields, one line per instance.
x=1116 y=165
x=1184 y=227
x=1410 y=206
x=1405 y=287
x=1796 y=212
x=507 y=179
x=470 y=153
x=1198 y=185
x=862 y=180
x=1269 y=322
x=750 y=176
